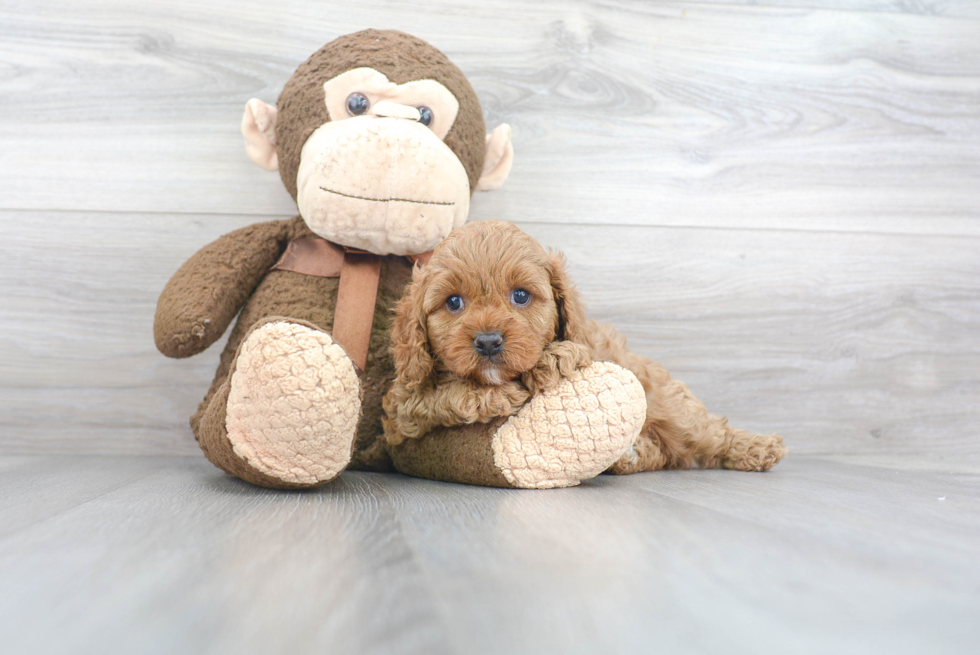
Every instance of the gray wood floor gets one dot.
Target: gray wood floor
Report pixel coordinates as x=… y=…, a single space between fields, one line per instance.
x=168 y=555
x=778 y=199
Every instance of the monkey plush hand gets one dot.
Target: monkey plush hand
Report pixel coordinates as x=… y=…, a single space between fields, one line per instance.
x=381 y=141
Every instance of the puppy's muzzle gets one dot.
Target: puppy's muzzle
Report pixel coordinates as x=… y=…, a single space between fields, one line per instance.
x=488 y=344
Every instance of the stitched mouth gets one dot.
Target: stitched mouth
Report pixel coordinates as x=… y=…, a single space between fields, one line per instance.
x=417 y=202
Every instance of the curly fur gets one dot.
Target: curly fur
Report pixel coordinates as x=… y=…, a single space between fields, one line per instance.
x=441 y=379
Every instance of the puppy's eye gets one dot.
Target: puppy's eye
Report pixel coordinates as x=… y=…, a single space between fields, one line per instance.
x=454 y=303
x=520 y=296
x=357 y=104
x=425 y=115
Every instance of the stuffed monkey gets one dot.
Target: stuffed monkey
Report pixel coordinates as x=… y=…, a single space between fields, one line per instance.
x=380 y=139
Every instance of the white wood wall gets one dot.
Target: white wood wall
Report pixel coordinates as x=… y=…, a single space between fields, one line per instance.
x=779 y=202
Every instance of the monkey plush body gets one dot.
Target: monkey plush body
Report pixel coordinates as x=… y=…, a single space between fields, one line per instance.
x=381 y=141
x=191 y=315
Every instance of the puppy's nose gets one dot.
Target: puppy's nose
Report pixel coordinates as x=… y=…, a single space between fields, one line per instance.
x=488 y=344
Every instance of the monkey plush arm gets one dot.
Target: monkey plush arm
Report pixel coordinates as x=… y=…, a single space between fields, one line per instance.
x=204 y=295
x=571 y=431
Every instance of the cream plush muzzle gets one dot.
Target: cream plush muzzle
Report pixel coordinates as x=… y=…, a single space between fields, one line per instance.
x=381 y=184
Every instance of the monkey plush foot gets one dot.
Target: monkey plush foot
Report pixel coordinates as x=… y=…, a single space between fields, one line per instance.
x=293 y=406
x=573 y=431
x=563 y=435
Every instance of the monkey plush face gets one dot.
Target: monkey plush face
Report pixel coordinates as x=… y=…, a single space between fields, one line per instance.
x=378 y=173
x=381 y=141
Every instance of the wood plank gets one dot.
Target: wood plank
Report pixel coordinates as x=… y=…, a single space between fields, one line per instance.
x=78 y=296
x=651 y=113
x=190 y=560
x=845 y=343
x=46 y=487
x=813 y=557
x=619 y=566
x=944 y=8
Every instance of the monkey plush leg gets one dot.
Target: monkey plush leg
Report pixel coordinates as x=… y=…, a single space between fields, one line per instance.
x=563 y=435
x=680 y=433
x=288 y=413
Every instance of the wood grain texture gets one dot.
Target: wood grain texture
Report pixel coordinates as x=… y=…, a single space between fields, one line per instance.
x=640 y=113
x=845 y=343
x=778 y=202
x=944 y=8
x=165 y=555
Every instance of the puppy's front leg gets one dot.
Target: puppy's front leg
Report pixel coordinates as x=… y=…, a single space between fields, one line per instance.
x=413 y=413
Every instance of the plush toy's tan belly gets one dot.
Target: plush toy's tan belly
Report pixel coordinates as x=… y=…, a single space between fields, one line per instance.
x=313 y=299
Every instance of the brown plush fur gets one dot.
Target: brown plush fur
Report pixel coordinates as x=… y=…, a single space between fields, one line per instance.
x=203 y=296
x=402 y=58
x=232 y=275
x=441 y=380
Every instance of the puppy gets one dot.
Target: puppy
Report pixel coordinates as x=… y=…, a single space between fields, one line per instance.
x=492 y=319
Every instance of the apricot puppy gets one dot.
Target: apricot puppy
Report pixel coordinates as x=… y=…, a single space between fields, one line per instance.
x=493 y=321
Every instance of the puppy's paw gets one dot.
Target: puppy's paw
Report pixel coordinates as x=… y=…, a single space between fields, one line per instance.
x=754 y=452
x=294 y=404
x=558 y=360
x=572 y=431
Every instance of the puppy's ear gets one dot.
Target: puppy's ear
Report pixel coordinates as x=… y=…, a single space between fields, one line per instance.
x=410 y=336
x=571 y=312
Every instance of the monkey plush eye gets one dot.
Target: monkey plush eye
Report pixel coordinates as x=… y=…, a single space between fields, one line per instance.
x=425 y=115
x=357 y=104
x=520 y=296
x=454 y=303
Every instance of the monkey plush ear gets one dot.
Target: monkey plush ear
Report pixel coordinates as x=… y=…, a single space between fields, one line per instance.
x=500 y=157
x=259 y=130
